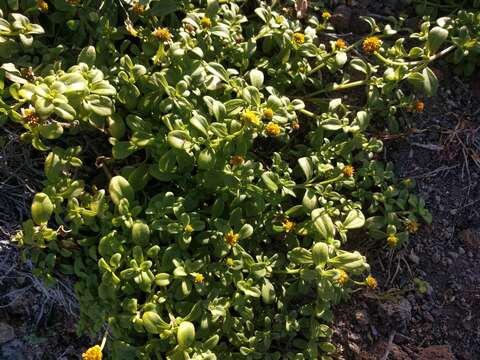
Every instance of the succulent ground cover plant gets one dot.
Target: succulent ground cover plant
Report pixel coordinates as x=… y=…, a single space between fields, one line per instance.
x=232 y=170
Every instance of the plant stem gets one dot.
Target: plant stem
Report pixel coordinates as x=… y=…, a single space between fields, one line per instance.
x=399 y=63
x=308 y=113
x=338 y=87
x=104 y=340
x=415 y=63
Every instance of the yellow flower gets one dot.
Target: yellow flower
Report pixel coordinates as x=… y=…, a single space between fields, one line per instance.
x=298 y=38
x=42 y=5
x=268 y=113
x=348 y=170
x=231 y=238
x=419 y=106
x=30 y=116
x=199 y=278
x=229 y=261
x=162 y=34
x=188 y=228
x=250 y=118
x=342 y=277
x=237 y=160
x=288 y=225
x=341 y=44
x=273 y=129
x=94 y=353
x=326 y=15
x=131 y=30
x=371 y=282
x=206 y=22
x=138 y=8
x=392 y=241
x=412 y=227
x=371 y=44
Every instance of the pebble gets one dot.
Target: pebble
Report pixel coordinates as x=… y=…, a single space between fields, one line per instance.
x=461 y=251
x=453 y=255
x=427 y=316
x=413 y=258
x=362 y=317
x=436 y=258
x=14 y=350
x=6 y=333
x=437 y=352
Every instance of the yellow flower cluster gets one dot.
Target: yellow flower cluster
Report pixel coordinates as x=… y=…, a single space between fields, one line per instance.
x=412 y=227
x=30 y=116
x=42 y=5
x=288 y=225
x=250 y=118
x=138 y=8
x=348 y=170
x=199 y=278
x=371 y=282
x=272 y=129
x=371 y=44
x=237 y=160
x=340 y=44
x=268 y=113
x=392 y=241
x=298 y=38
x=188 y=228
x=162 y=34
x=342 y=277
x=206 y=22
x=419 y=106
x=231 y=238
x=94 y=353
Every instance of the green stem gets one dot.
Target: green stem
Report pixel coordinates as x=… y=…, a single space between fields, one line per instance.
x=338 y=87
x=416 y=63
x=399 y=63
x=433 y=58
x=308 y=113
x=287 y=272
x=104 y=340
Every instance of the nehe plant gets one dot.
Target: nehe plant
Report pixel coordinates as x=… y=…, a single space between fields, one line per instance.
x=203 y=172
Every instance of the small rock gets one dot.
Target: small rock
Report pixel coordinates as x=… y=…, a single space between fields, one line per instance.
x=436 y=258
x=414 y=258
x=6 y=333
x=427 y=316
x=362 y=317
x=453 y=255
x=357 y=24
x=470 y=238
x=341 y=18
x=437 y=352
x=397 y=312
x=396 y=352
x=14 y=350
x=449 y=261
